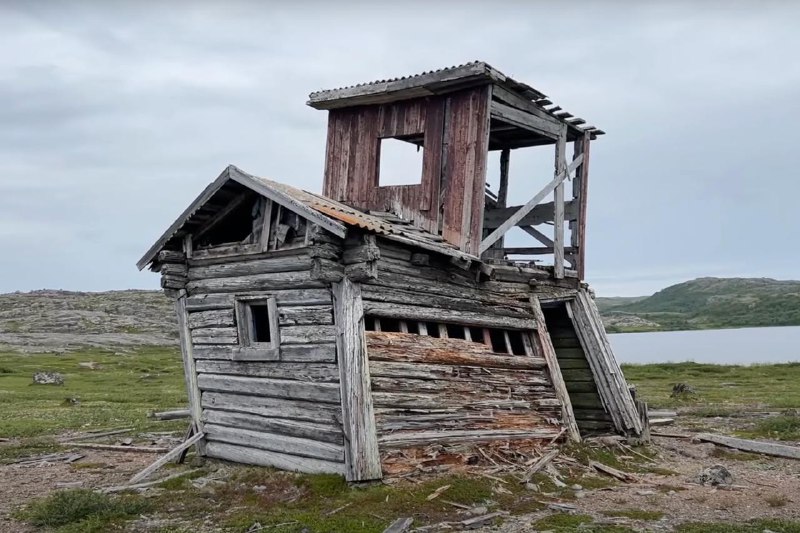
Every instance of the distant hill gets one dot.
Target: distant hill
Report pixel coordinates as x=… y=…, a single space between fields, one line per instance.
x=706 y=303
x=51 y=320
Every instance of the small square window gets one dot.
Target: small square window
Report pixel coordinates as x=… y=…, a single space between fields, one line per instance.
x=257 y=322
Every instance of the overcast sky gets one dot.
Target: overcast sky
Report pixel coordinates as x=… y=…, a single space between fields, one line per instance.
x=115 y=115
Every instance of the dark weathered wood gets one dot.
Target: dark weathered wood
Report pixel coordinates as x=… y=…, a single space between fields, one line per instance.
x=300 y=353
x=581 y=194
x=558 y=203
x=257 y=282
x=277 y=408
x=322 y=432
x=284 y=263
x=305 y=315
x=311 y=372
x=362 y=457
x=276 y=388
x=289 y=297
x=543 y=345
x=753 y=446
x=307 y=334
x=213 y=318
x=405 y=439
x=411 y=348
x=227 y=335
x=540 y=214
x=525 y=120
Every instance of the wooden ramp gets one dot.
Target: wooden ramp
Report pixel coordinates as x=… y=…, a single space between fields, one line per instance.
x=586 y=403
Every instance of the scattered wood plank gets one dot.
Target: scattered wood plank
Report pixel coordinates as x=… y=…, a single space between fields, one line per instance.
x=85 y=436
x=671 y=435
x=435 y=494
x=169 y=456
x=170 y=415
x=116 y=448
x=662 y=421
x=147 y=484
x=342 y=508
x=480 y=521
x=541 y=463
x=753 y=446
x=613 y=472
x=399 y=526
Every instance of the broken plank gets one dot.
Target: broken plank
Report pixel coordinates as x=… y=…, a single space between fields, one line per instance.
x=175 y=452
x=613 y=472
x=753 y=446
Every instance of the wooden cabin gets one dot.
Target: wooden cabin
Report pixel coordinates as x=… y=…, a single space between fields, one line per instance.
x=355 y=331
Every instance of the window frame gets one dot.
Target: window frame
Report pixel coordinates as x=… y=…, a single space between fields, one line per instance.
x=245 y=326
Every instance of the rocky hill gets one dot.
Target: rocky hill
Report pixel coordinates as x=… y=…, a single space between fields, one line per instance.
x=50 y=320
x=707 y=303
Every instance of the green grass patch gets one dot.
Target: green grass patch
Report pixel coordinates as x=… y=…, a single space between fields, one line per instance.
x=112 y=395
x=720 y=390
x=82 y=510
x=636 y=514
x=781 y=427
x=563 y=522
x=27 y=447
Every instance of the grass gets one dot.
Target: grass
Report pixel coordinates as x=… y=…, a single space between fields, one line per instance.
x=82 y=510
x=118 y=394
x=719 y=388
x=755 y=526
x=784 y=427
x=777 y=500
x=636 y=514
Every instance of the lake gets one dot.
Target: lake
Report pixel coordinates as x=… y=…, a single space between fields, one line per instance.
x=719 y=346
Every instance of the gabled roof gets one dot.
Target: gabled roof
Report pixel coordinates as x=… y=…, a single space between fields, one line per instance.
x=331 y=215
x=442 y=81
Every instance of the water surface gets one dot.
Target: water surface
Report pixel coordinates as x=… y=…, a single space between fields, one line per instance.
x=720 y=346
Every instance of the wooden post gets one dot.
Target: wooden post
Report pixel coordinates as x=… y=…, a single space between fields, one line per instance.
x=362 y=458
x=580 y=189
x=496 y=251
x=558 y=208
x=544 y=344
x=189 y=370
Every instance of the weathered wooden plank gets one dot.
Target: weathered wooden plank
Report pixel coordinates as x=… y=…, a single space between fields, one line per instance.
x=448 y=387
x=189 y=370
x=292 y=428
x=543 y=345
x=311 y=372
x=454 y=373
x=301 y=261
x=278 y=408
x=391 y=420
x=215 y=336
x=581 y=193
x=258 y=282
x=558 y=203
x=305 y=315
x=169 y=456
x=307 y=334
x=202 y=302
x=417 y=438
x=754 y=446
x=419 y=400
x=253 y=456
x=402 y=347
x=299 y=353
x=469 y=318
x=362 y=457
x=212 y=318
x=566 y=364
x=540 y=214
x=525 y=120
x=275 y=388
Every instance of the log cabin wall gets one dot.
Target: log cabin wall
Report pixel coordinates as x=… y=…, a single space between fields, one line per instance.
x=436 y=375
x=454 y=132
x=275 y=403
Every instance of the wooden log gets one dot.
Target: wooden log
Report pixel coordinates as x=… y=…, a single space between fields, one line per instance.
x=307 y=334
x=215 y=336
x=176 y=414
x=189 y=370
x=362 y=458
x=213 y=318
x=299 y=353
x=400 y=525
x=275 y=388
x=310 y=372
x=422 y=438
x=361 y=254
x=202 y=302
x=500 y=305
x=298 y=262
x=469 y=318
x=449 y=387
x=417 y=400
x=326 y=270
x=278 y=408
x=257 y=282
x=465 y=373
x=253 y=456
x=752 y=446
x=410 y=348
x=277 y=443
x=558 y=203
x=324 y=432
x=169 y=456
x=171 y=256
x=542 y=462
x=305 y=315
x=362 y=271
x=613 y=472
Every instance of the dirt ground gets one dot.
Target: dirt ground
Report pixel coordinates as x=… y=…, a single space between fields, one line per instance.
x=763 y=487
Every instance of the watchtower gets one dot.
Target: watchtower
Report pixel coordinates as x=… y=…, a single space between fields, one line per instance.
x=456 y=116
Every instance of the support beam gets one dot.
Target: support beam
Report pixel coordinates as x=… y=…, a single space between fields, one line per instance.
x=496 y=251
x=580 y=189
x=514 y=219
x=513 y=99
x=189 y=370
x=558 y=207
x=220 y=215
x=265 y=225
x=525 y=120
x=541 y=214
x=362 y=459
x=533 y=250
x=538 y=235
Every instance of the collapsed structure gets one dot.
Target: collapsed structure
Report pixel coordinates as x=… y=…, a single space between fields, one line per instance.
x=344 y=332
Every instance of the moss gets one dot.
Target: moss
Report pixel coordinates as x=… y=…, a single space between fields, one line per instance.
x=563 y=522
x=756 y=526
x=82 y=510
